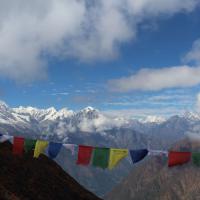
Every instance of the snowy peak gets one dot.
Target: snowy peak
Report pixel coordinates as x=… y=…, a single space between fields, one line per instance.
x=193 y=116
x=44 y=114
x=27 y=114
x=3 y=106
x=153 y=119
x=88 y=113
x=38 y=114
x=89 y=109
x=87 y=120
x=64 y=112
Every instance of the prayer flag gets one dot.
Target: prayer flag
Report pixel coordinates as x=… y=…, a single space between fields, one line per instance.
x=196 y=158
x=84 y=155
x=18 y=145
x=29 y=145
x=137 y=155
x=40 y=147
x=178 y=158
x=157 y=153
x=4 y=138
x=101 y=157
x=54 y=149
x=70 y=147
x=116 y=155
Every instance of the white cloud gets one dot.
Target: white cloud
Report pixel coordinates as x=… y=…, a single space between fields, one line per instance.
x=144 y=112
x=193 y=133
x=100 y=124
x=60 y=93
x=32 y=30
x=198 y=102
x=158 y=79
x=172 y=97
x=156 y=7
x=150 y=102
x=194 y=54
x=160 y=98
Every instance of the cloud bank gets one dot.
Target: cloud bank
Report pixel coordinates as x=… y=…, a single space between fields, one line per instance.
x=158 y=79
x=33 y=31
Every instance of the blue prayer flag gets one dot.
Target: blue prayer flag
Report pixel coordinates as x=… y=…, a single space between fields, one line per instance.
x=138 y=155
x=54 y=149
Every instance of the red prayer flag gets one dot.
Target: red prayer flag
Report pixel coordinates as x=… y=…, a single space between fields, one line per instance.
x=18 y=145
x=178 y=158
x=84 y=155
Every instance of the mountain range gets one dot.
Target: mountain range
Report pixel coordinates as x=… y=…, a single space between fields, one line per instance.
x=152 y=179
x=90 y=126
x=50 y=122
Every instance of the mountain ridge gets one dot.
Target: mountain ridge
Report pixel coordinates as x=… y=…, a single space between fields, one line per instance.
x=87 y=119
x=23 y=177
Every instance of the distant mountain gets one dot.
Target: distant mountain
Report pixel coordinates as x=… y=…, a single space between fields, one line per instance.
x=153 y=180
x=23 y=177
x=90 y=126
x=152 y=119
x=47 y=122
x=58 y=125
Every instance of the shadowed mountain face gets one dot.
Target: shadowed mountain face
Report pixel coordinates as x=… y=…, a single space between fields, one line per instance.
x=153 y=180
x=26 y=178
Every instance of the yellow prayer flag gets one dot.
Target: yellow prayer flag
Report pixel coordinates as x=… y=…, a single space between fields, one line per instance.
x=40 y=146
x=116 y=155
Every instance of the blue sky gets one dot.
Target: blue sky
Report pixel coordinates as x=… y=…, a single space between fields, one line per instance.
x=71 y=77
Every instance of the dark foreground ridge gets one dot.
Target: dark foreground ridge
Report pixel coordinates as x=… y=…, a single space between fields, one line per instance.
x=26 y=178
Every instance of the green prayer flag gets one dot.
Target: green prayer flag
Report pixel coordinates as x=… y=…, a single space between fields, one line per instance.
x=29 y=145
x=101 y=157
x=196 y=159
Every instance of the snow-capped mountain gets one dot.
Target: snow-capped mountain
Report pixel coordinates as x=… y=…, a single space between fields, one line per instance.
x=192 y=116
x=34 y=121
x=152 y=119
x=43 y=114
x=65 y=124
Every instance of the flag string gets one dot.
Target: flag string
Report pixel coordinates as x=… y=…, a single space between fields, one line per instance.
x=103 y=157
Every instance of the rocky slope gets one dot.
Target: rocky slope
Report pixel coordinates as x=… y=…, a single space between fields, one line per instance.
x=153 y=180
x=23 y=178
